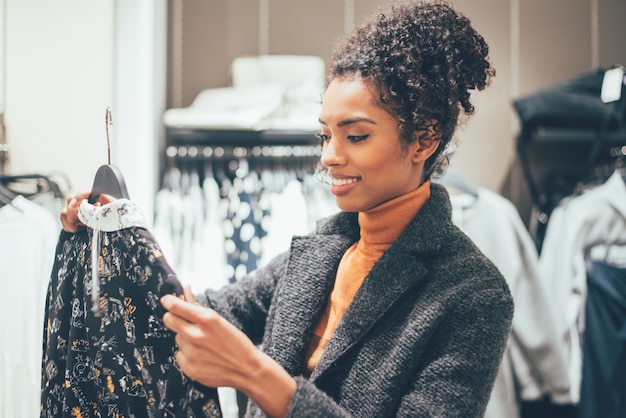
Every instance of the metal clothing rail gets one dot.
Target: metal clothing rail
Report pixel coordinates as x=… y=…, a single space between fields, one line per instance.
x=238 y=137
x=193 y=152
x=267 y=149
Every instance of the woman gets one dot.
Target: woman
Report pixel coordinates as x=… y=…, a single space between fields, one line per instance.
x=387 y=309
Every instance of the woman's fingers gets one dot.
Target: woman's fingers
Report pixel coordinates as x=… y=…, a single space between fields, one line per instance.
x=188 y=294
x=187 y=310
x=211 y=350
x=69 y=215
x=190 y=321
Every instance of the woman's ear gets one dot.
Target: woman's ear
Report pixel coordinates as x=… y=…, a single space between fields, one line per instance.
x=427 y=141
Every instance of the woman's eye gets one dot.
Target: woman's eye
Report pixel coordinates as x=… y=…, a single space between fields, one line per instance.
x=357 y=138
x=322 y=137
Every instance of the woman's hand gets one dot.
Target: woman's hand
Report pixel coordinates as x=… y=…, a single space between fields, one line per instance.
x=215 y=353
x=69 y=215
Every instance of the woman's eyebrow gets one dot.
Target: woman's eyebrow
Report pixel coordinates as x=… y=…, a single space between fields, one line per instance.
x=350 y=121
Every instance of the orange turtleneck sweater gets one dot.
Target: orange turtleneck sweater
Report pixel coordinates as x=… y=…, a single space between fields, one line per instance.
x=380 y=226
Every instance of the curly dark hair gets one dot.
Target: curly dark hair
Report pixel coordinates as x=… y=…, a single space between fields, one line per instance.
x=423 y=58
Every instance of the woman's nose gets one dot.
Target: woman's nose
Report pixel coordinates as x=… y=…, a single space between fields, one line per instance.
x=331 y=153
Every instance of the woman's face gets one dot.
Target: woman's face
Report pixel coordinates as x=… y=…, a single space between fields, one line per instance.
x=361 y=148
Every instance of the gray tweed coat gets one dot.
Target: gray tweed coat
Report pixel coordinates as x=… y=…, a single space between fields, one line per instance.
x=423 y=337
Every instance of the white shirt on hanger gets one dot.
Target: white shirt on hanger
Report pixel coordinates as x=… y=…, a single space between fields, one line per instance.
x=28 y=237
x=532 y=365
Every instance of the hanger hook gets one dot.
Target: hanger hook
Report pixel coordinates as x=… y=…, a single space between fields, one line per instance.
x=108 y=120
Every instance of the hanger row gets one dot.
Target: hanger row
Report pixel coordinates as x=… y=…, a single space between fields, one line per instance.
x=217 y=152
x=618 y=151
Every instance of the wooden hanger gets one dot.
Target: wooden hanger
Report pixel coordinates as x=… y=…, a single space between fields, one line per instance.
x=109 y=179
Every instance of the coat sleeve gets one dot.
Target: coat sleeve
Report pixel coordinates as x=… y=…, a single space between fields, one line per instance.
x=246 y=303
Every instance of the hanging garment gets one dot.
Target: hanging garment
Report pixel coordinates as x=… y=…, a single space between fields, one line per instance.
x=243 y=229
x=591 y=219
x=288 y=216
x=106 y=351
x=211 y=253
x=168 y=224
x=603 y=386
x=320 y=202
x=191 y=234
x=28 y=235
x=532 y=365
x=574 y=103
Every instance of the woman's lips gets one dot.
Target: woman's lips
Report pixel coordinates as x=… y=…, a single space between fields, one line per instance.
x=339 y=186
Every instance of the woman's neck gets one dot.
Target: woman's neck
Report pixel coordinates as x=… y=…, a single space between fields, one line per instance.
x=384 y=223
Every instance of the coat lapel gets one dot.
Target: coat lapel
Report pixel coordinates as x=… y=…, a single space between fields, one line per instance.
x=399 y=270
x=311 y=274
x=389 y=279
x=309 y=279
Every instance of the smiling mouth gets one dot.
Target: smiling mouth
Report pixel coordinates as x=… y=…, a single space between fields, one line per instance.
x=343 y=182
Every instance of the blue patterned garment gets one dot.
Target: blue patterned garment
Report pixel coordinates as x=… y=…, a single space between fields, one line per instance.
x=243 y=228
x=113 y=358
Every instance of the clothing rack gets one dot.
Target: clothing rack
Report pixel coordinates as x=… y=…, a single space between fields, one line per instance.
x=191 y=152
x=232 y=149
x=253 y=190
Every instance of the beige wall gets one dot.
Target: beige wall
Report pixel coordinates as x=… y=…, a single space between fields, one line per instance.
x=63 y=64
x=534 y=43
x=58 y=80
